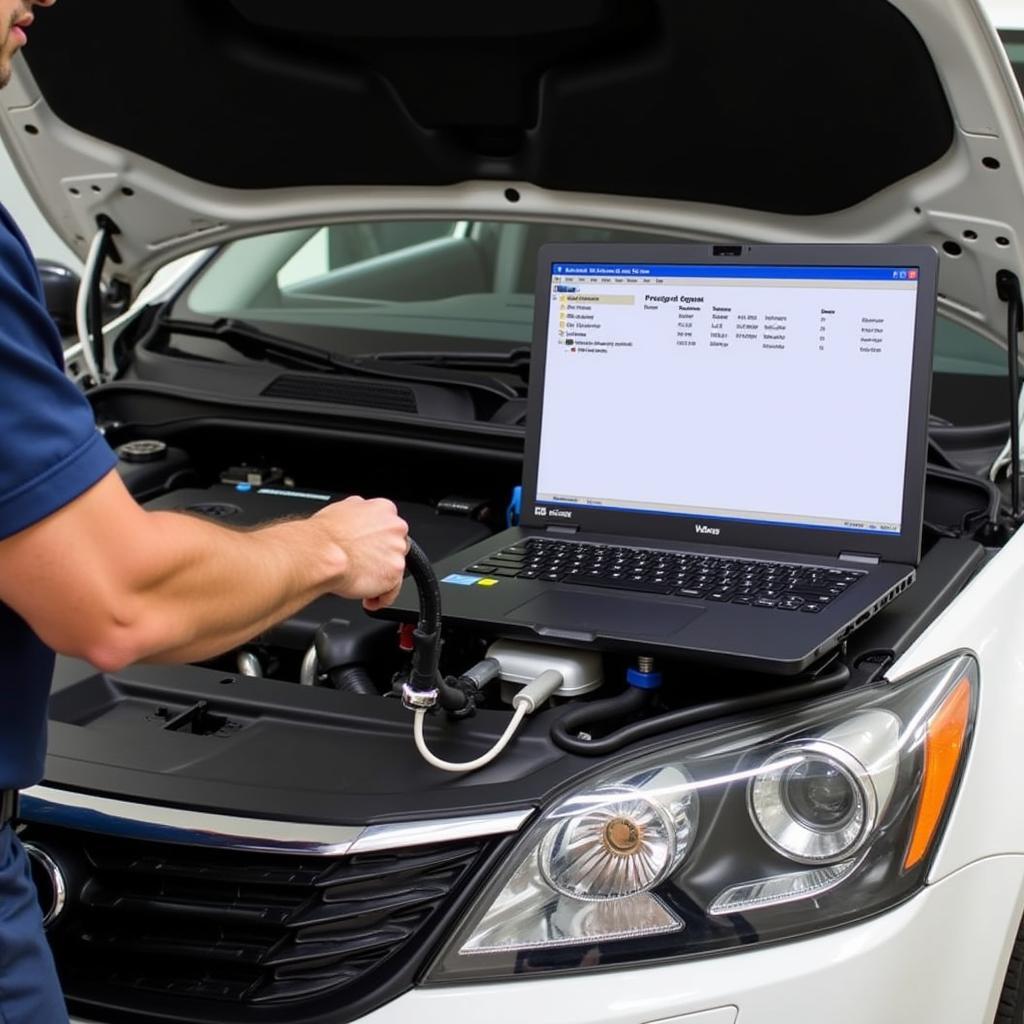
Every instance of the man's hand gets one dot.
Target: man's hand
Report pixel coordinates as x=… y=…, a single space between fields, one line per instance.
x=374 y=541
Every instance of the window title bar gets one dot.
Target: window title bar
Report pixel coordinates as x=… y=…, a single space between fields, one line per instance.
x=735 y=272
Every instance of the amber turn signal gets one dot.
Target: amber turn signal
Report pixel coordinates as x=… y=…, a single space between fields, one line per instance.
x=944 y=743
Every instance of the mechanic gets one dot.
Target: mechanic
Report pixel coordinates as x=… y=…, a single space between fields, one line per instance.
x=87 y=572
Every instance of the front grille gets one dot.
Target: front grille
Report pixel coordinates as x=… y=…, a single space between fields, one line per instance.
x=339 y=391
x=161 y=930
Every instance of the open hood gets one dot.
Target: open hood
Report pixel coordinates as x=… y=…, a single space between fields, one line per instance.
x=192 y=122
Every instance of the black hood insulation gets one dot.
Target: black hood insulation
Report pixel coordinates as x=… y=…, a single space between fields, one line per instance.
x=799 y=108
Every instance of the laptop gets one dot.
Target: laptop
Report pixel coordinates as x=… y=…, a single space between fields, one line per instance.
x=725 y=453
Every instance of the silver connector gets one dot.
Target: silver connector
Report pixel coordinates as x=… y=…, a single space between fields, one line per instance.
x=418 y=700
x=483 y=672
x=645 y=663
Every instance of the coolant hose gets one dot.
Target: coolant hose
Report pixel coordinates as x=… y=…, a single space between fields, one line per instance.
x=635 y=699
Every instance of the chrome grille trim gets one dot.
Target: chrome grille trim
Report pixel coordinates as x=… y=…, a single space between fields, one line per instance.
x=420 y=833
x=46 y=805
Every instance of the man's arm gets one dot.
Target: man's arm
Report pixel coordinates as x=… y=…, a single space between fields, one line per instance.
x=105 y=580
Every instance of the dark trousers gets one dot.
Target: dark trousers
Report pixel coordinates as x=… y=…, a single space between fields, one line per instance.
x=29 y=990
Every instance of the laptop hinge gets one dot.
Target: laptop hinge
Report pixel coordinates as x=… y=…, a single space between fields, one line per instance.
x=859 y=556
x=561 y=529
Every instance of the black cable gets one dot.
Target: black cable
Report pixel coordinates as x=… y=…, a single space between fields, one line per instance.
x=424 y=675
x=832 y=679
x=427 y=587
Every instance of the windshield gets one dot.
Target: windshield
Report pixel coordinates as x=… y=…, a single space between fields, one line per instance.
x=425 y=286
x=389 y=284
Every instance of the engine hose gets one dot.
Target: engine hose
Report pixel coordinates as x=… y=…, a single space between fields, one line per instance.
x=598 y=711
x=610 y=709
x=353 y=679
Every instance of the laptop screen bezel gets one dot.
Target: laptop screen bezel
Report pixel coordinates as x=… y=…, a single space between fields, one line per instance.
x=902 y=547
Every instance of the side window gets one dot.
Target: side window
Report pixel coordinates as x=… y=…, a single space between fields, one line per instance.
x=969 y=376
x=1014 y=43
x=959 y=350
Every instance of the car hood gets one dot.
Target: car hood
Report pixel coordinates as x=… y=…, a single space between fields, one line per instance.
x=862 y=120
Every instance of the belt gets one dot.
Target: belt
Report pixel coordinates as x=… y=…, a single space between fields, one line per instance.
x=8 y=806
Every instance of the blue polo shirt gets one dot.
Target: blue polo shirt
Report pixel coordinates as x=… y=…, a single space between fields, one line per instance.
x=50 y=453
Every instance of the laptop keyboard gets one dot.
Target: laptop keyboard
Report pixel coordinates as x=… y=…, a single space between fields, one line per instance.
x=782 y=585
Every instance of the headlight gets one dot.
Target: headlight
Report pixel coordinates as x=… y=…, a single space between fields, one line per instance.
x=620 y=840
x=763 y=829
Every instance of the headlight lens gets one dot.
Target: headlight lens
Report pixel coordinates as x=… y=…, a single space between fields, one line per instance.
x=761 y=829
x=620 y=840
x=812 y=804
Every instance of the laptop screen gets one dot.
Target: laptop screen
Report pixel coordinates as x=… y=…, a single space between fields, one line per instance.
x=766 y=394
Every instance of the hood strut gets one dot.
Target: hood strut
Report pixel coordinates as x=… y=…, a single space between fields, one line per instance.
x=89 y=308
x=1008 y=289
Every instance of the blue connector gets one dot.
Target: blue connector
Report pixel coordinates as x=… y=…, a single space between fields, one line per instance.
x=515 y=507
x=643 y=677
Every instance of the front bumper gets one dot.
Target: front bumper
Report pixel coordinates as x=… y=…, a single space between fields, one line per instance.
x=940 y=957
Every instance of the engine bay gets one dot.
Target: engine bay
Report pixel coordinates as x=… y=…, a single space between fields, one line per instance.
x=306 y=721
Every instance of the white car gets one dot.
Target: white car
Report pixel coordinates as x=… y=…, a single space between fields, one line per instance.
x=358 y=197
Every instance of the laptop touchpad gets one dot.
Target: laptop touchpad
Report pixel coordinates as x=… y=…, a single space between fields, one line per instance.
x=600 y=614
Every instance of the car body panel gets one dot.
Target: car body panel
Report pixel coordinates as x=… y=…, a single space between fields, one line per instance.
x=986 y=618
x=880 y=972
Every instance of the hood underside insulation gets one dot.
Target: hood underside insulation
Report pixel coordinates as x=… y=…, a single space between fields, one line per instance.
x=799 y=108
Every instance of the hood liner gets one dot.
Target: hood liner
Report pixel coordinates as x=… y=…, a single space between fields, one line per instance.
x=802 y=108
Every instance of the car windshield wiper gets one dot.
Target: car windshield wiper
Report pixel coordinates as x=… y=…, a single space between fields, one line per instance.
x=254 y=343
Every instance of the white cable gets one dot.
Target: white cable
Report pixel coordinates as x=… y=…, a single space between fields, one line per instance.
x=82 y=304
x=467 y=766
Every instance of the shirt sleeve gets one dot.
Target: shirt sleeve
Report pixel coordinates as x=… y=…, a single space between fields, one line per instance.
x=50 y=450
